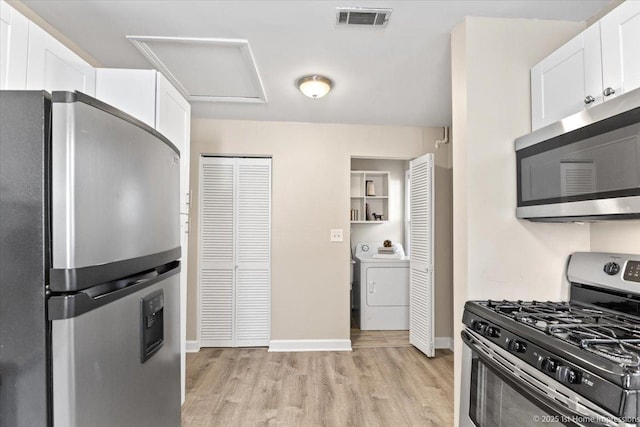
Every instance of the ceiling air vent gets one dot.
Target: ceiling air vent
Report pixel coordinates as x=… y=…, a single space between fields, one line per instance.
x=361 y=16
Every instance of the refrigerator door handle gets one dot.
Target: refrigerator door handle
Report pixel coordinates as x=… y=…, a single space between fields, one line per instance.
x=77 y=279
x=72 y=305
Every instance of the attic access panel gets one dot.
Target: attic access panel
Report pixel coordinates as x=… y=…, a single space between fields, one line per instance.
x=205 y=69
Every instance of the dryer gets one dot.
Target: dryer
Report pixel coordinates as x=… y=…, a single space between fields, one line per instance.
x=381 y=288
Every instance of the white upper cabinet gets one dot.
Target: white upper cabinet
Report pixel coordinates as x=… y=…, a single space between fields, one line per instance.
x=568 y=80
x=132 y=91
x=14 y=40
x=31 y=59
x=53 y=66
x=173 y=113
x=173 y=120
x=621 y=49
x=596 y=65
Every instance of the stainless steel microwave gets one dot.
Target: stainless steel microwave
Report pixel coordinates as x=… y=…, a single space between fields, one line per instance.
x=583 y=168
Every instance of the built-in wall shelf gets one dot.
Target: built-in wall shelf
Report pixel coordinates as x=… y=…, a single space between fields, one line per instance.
x=369 y=189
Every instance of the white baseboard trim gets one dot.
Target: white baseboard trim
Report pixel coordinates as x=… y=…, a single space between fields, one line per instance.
x=193 y=346
x=444 y=342
x=309 y=345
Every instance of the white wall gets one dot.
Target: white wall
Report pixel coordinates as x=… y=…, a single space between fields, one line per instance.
x=310 y=196
x=497 y=255
x=620 y=237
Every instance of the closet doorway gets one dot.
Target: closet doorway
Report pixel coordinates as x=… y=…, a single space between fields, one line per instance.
x=234 y=277
x=393 y=295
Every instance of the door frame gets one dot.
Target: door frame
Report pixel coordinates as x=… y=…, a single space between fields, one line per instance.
x=406 y=205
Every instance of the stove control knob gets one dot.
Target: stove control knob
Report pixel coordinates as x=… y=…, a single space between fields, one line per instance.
x=517 y=346
x=479 y=327
x=550 y=365
x=567 y=375
x=492 y=332
x=611 y=268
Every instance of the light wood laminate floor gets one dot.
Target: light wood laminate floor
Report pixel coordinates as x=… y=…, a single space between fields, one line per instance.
x=390 y=386
x=375 y=339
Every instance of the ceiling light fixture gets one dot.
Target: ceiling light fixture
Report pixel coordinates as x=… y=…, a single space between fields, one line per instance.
x=314 y=86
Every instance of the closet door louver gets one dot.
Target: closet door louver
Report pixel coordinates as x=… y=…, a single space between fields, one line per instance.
x=253 y=249
x=235 y=247
x=217 y=267
x=421 y=306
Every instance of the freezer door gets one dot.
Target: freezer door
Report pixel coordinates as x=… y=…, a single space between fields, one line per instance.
x=119 y=364
x=115 y=191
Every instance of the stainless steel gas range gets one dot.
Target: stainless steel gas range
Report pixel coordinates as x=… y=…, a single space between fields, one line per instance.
x=558 y=363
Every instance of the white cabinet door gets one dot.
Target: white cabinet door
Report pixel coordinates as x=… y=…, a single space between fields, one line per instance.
x=173 y=120
x=421 y=283
x=132 y=91
x=565 y=82
x=621 y=48
x=235 y=252
x=53 y=66
x=14 y=40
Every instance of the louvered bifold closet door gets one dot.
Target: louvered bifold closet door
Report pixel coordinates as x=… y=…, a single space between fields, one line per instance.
x=253 y=251
x=421 y=305
x=217 y=266
x=235 y=248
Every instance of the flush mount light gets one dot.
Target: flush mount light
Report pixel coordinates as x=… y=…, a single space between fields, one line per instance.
x=314 y=86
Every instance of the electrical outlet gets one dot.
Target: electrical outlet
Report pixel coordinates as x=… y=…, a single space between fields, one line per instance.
x=336 y=235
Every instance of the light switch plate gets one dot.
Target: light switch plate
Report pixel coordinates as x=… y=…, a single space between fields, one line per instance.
x=336 y=235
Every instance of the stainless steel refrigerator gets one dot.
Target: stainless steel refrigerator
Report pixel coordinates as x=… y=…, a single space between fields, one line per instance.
x=89 y=249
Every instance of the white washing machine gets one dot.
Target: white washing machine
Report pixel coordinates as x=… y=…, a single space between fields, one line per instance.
x=381 y=288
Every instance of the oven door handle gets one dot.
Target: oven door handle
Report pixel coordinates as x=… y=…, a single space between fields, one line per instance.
x=568 y=414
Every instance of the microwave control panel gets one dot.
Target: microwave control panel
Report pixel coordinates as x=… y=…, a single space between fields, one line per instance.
x=632 y=271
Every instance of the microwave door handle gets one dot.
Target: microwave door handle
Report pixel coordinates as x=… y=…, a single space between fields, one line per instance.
x=526 y=389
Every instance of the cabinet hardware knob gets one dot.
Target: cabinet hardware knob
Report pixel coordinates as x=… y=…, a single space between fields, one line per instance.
x=608 y=91
x=589 y=99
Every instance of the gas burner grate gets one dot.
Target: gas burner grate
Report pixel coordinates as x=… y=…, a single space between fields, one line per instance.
x=616 y=341
x=542 y=315
x=615 y=337
x=624 y=352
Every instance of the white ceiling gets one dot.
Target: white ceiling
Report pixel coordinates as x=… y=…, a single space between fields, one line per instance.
x=398 y=75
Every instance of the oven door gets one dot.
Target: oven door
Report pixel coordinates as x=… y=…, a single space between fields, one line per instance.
x=498 y=389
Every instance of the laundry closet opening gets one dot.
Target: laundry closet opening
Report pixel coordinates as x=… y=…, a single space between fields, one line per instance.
x=382 y=314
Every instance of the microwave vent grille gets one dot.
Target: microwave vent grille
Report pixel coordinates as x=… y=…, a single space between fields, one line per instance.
x=577 y=178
